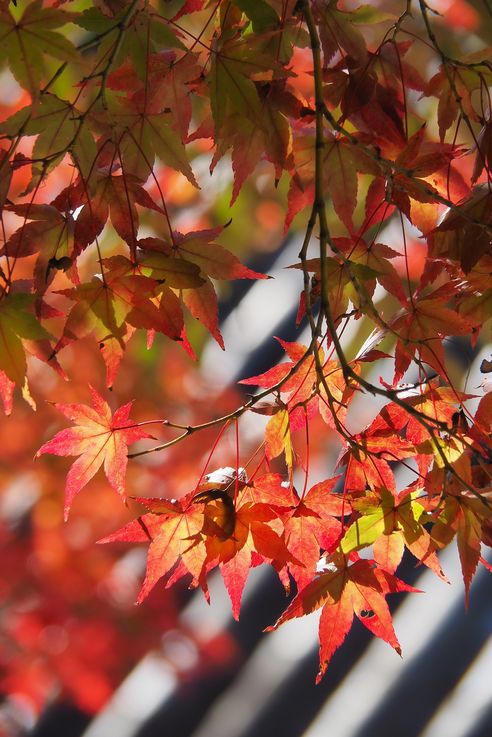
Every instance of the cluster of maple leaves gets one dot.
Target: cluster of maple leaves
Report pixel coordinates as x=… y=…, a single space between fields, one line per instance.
x=366 y=144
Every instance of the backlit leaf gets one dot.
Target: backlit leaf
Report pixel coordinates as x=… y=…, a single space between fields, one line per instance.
x=98 y=437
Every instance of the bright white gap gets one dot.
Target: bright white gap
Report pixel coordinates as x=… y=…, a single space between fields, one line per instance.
x=467 y=701
x=254 y=319
x=270 y=664
x=140 y=694
x=153 y=680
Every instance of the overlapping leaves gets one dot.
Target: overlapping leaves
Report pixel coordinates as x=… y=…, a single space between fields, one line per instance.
x=122 y=107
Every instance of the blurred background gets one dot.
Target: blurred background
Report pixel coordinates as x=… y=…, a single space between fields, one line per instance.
x=78 y=658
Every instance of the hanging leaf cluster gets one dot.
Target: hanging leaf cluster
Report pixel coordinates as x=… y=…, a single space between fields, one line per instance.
x=383 y=169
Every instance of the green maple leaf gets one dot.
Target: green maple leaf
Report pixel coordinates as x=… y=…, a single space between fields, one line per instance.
x=152 y=136
x=17 y=323
x=386 y=515
x=262 y=16
x=337 y=30
x=25 y=41
x=144 y=34
x=233 y=93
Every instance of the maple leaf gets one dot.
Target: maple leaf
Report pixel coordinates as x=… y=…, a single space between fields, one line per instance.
x=453 y=86
x=382 y=516
x=262 y=16
x=464 y=233
x=277 y=437
x=342 y=161
x=145 y=34
x=180 y=259
x=368 y=459
x=436 y=404
x=312 y=524
x=272 y=489
x=214 y=260
x=6 y=171
x=163 y=266
x=17 y=324
x=26 y=39
x=110 y=196
x=371 y=94
x=203 y=530
x=358 y=588
x=50 y=235
x=108 y=307
x=196 y=248
x=48 y=230
x=232 y=92
x=273 y=140
x=167 y=77
x=174 y=531
x=377 y=257
x=203 y=306
x=252 y=538
x=59 y=128
x=483 y=158
x=482 y=426
x=241 y=80
x=345 y=282
x=302 y=394
x=98 y=437
x=475 y=304
x=299 y=386
x=189 y=6
x=337 y=31
x=431 y=175
x=421 y=327
x=138 y=136
x=463 y=516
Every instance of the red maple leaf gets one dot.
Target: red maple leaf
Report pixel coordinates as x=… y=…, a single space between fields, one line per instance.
x=98 y=437
x=346 y=589
x=312 y=525
x=203 y=530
